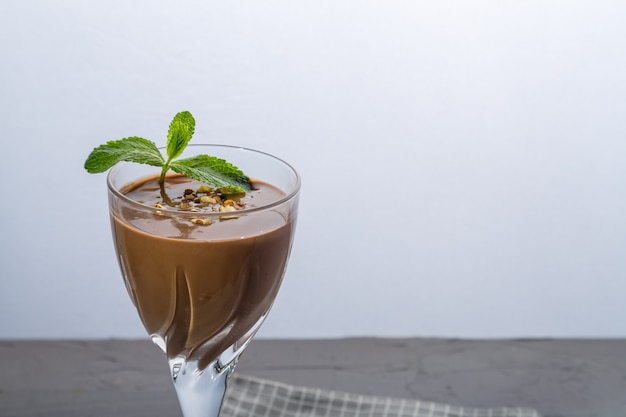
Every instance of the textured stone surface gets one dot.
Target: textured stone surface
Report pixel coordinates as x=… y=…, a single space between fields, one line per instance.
x=559 y=378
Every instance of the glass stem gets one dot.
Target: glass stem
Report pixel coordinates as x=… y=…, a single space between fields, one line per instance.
x=200 y=392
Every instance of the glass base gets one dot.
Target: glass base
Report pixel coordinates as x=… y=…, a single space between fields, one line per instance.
x=201 y=386
x=200 y=391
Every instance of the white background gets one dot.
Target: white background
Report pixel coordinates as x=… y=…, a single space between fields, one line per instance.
x=464 y=162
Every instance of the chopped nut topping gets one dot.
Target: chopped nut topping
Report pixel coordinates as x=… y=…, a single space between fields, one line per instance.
x=203 y=222
x=205 y=199
x=204 y=189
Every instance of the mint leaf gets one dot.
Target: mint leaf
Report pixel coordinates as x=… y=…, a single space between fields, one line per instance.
x=179 y=134
x=132 y=149
x=212 y=170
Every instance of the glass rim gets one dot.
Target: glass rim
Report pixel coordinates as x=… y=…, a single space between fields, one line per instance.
x=287 y=197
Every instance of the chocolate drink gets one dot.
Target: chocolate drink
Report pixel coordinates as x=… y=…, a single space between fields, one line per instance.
x=200 y=288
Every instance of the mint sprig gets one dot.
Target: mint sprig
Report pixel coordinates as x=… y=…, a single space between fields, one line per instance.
x=210 y=170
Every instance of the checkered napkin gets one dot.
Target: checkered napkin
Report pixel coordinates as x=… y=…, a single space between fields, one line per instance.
x=252 y=397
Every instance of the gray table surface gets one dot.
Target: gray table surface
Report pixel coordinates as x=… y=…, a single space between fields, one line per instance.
x=559 y=378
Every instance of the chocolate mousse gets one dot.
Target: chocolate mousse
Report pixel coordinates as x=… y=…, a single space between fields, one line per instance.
x=200 y=275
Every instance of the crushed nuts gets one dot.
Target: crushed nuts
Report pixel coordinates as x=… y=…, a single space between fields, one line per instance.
x=203 y=222
x=206 y=199
x=203 y=200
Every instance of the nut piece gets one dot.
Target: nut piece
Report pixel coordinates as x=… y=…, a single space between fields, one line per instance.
x=204 y=189
x=203 y=222
x=205 y=199
x=226 y=209
x=232 y=203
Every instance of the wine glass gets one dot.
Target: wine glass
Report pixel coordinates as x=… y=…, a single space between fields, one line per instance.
x=203 y=281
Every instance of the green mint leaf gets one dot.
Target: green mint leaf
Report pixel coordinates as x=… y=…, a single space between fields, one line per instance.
x=213 y=171
x=179 y=134
x=132 y=149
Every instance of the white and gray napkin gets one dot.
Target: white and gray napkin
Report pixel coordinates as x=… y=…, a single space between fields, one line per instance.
x=253 y=397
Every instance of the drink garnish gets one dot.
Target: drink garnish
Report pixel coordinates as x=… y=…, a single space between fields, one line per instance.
x=213 y=171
